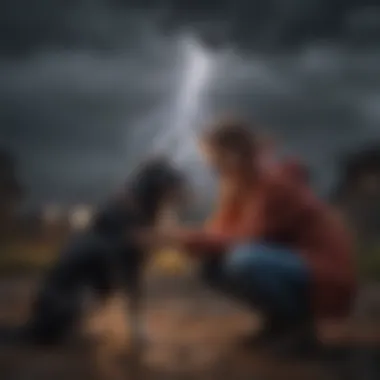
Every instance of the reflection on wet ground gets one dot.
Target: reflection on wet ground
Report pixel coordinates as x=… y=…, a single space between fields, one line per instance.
x=189 y=333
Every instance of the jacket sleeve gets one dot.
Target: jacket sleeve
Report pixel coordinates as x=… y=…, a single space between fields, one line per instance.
x=252 y=224
x=205 y=242
x=270 y=211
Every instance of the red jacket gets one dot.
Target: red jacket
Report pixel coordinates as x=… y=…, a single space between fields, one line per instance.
x=283 y=210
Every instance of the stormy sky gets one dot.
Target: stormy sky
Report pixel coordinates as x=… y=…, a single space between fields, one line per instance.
x=85 y=86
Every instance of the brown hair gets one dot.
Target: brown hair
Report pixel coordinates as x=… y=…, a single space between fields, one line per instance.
x=232 y=135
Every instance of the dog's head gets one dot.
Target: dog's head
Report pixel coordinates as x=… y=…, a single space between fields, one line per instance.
x=156 y=183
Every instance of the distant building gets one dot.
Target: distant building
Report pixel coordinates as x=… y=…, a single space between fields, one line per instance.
x=360 y=176
x=358 y=192
x=52 y=214
x=11 y=193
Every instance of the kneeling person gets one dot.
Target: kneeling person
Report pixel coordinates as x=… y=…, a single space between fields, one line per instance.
x=272 y=243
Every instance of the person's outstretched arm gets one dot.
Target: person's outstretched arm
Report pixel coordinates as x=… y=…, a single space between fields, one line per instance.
x=269 y=209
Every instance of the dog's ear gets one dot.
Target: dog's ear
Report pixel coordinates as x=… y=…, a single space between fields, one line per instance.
x=154 y=181
x=156 y=175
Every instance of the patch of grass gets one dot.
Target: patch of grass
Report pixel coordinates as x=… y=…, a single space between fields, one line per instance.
x=368 y=260
x=169 y=262
x=18 y=257
x=24 y=257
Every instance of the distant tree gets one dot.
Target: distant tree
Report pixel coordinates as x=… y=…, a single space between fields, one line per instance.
x=359 y=174
x=358 y=191
x=11 y=191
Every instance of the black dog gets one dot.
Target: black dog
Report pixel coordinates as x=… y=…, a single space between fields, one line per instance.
x=104 y=256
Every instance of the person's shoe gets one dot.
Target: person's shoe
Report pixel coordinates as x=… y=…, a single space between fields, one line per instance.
x=269 y=334
x=299 y=342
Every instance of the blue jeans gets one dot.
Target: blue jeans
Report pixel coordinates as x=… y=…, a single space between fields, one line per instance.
x=271 y=278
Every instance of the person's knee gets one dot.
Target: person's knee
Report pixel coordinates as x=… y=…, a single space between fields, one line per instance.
x=246 y=261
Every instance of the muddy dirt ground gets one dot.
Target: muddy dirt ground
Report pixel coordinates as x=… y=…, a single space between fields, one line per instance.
x=190 y=333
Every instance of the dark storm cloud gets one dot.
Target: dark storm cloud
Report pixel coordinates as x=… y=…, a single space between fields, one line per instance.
x=84 y=85
x=67 y=114
x=101 y=24
x=273 y=24
x=322 y=102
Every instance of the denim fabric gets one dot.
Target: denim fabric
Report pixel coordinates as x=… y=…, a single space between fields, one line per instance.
x=272 y=278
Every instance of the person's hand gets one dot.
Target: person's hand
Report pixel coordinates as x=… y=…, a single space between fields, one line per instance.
x=154 y=238
x=144 y=237
x=166 y=236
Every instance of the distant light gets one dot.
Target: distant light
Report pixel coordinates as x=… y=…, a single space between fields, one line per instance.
x=80 y=217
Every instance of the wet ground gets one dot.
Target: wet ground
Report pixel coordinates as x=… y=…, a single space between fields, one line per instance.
x=190 y=333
